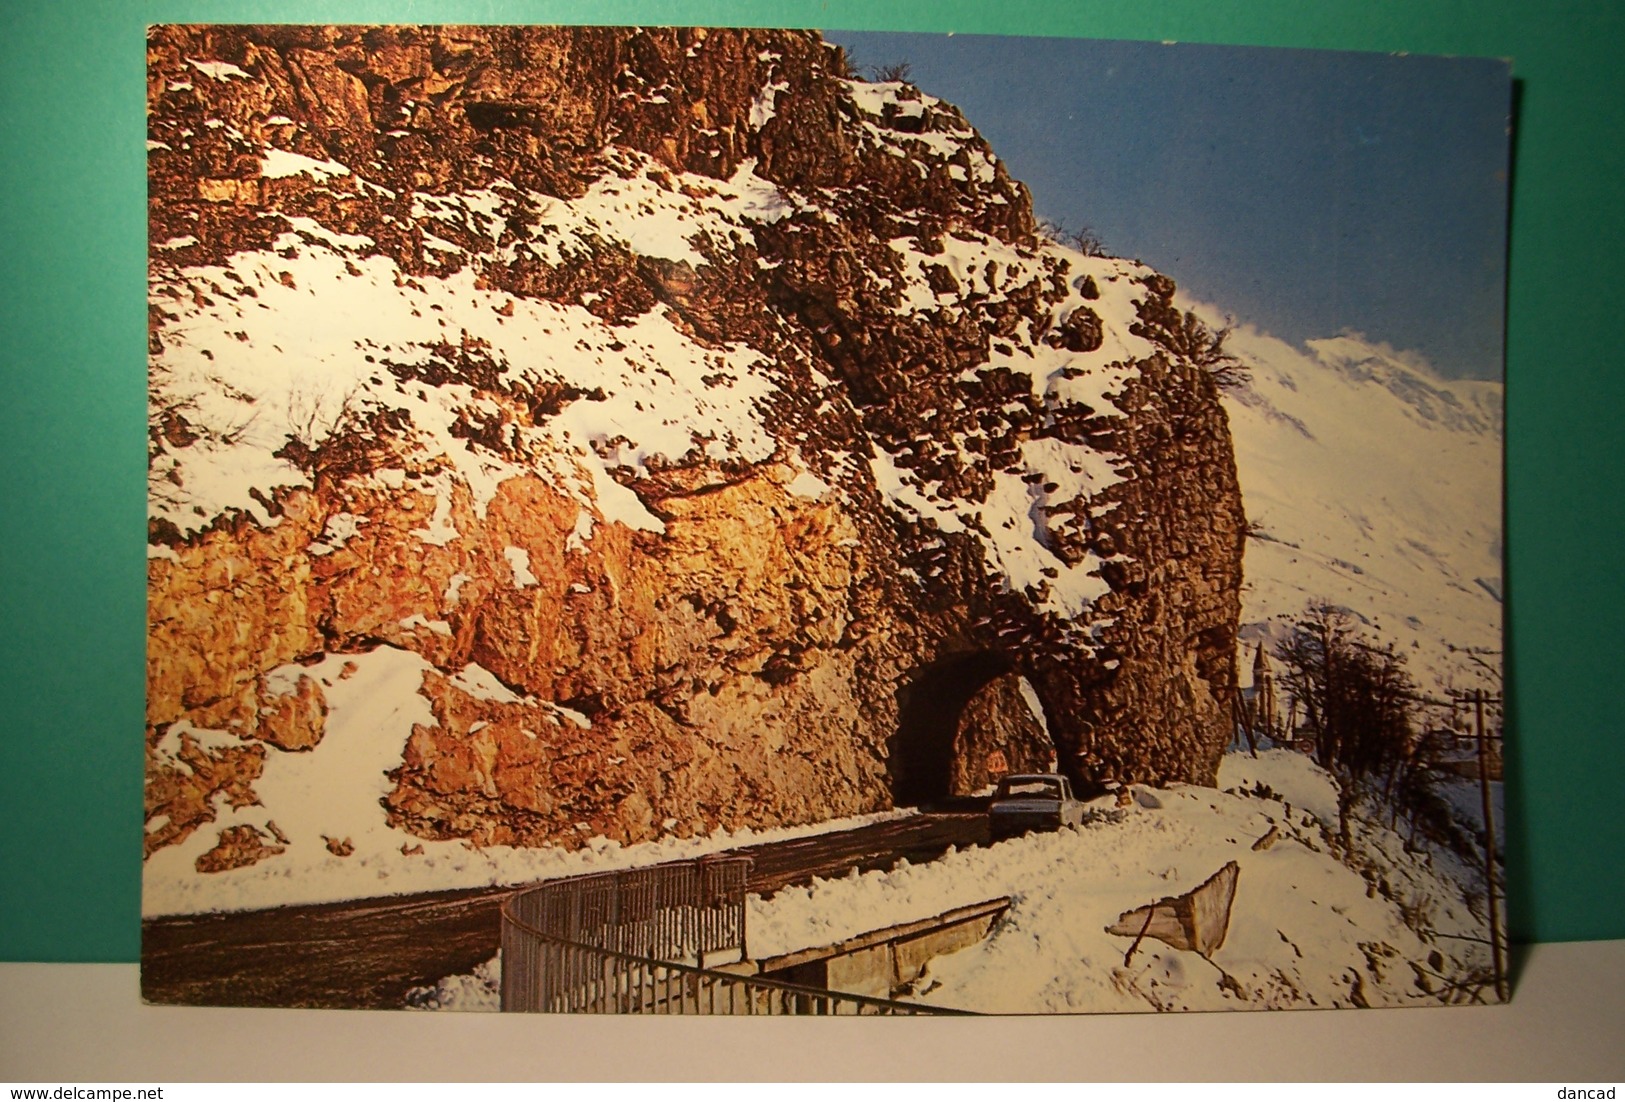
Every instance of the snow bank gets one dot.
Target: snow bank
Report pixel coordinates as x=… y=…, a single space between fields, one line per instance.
x=1306 y=930
x=480 y=989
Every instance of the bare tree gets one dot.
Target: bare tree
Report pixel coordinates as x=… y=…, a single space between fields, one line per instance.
x=1358 y=704
x=1188 y=337
x=1084 y=238
x=334 y=437
x=844 y=63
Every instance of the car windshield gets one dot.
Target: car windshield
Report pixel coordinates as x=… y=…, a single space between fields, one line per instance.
x=1043 y=787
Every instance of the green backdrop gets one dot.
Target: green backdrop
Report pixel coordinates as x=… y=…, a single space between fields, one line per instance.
x=72 y=426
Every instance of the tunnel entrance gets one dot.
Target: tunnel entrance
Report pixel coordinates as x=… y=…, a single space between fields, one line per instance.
x=962 y=721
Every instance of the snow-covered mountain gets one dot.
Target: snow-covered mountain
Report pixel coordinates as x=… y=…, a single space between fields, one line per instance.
x=1373 y=484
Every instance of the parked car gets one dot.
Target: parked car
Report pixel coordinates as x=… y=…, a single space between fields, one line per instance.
x=1032 y=801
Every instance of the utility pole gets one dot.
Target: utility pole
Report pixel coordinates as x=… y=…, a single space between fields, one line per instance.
x=1497 y=951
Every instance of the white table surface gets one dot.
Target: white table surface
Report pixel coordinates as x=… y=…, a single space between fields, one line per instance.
x=84 y=1023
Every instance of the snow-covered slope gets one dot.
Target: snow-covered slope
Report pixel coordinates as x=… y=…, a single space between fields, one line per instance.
x=1305 y=929
x=1375 y=485
x=323 y=336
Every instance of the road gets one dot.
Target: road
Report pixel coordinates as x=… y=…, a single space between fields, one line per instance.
x=369 y=953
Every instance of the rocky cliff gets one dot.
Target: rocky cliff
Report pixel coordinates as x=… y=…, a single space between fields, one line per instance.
x=671 y=431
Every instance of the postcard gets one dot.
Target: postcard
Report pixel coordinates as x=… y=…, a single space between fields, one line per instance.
x=702 y=520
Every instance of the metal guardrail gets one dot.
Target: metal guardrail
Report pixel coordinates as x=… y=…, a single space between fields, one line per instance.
x=679 y=911
x=621 y=943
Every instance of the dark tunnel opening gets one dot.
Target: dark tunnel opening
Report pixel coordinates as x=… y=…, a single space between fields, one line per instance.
x=930 y=704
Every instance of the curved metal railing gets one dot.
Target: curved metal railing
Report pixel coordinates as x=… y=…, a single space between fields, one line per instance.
x=639 y=941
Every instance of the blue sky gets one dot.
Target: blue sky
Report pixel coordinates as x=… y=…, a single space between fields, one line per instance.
x=1304 y=191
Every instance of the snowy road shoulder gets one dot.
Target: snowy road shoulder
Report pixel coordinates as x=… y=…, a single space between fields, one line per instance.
x=1306 y=929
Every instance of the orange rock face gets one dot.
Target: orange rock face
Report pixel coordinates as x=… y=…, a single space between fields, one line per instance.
x=239 y=846
x=180 y=796
x=775 y=634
